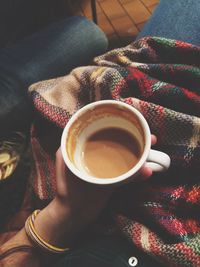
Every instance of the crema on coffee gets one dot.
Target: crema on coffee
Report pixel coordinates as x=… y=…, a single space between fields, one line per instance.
x=110 y=152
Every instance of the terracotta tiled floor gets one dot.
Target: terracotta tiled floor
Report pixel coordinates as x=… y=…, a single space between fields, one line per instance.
x=121 y=20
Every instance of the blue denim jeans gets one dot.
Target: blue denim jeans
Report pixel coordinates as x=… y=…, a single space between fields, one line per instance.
x=51 y=52
x=175 y=19
x=106 y=251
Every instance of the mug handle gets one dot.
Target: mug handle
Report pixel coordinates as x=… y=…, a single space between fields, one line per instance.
x=158 y=161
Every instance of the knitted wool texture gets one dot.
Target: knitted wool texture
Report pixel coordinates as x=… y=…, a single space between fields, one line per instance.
x=160 y=78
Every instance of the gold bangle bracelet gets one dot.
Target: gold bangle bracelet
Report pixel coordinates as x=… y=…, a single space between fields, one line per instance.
x=37 y=239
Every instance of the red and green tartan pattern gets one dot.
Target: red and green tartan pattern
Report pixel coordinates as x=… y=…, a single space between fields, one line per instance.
x=161 y=78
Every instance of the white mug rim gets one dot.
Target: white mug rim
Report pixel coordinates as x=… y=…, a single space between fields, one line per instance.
x=114 y=180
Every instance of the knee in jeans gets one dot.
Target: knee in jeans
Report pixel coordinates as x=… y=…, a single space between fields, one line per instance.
x=89 y=34
x=96 y=37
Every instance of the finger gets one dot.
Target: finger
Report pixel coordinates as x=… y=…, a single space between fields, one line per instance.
x=60 y=165
x=60 y=173
x=145 y=173
x=153 y=139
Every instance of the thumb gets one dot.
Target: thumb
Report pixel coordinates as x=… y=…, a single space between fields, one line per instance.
x=61 y=179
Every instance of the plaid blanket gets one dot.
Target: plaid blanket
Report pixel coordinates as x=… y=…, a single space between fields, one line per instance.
x=161 y=78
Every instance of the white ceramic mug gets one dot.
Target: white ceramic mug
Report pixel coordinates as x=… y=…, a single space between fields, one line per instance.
x=109 y=114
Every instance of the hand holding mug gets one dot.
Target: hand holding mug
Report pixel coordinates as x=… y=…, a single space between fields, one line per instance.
x=78 y=203
x=81 y=194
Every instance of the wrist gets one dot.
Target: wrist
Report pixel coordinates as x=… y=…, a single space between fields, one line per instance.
x=58 y=211
x=56 y=225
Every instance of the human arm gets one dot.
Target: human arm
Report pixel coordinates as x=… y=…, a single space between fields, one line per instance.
x=61 y=222
x=76 y=205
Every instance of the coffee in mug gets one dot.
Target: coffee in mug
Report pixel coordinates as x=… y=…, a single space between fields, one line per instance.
x=108 y=142
x=110 y=152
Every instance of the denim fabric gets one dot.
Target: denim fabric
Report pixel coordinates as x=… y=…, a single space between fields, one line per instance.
x=175 y=19
x=52 y=52
x=106 y=251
